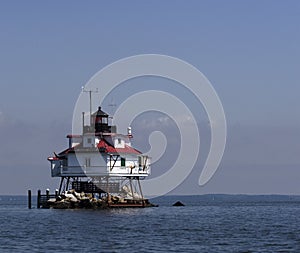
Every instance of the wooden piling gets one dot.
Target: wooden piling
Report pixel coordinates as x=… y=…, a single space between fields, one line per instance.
x=48 y=194
x=29 y=199
x=39 y=199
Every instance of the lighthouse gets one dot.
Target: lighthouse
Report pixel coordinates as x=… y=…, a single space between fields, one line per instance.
x=102 y=162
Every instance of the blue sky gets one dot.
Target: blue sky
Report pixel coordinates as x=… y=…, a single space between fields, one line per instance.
x=249 y=50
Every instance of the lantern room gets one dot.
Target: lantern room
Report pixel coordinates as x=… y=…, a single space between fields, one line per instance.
x=100 y=121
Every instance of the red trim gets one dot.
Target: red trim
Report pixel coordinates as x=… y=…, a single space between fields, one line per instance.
x=52 y=159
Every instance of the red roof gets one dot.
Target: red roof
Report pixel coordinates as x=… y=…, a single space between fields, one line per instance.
x=110 y=149
x=107 y=148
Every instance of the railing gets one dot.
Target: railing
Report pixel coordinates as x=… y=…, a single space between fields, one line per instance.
x=92 y=187
x=98 y=171
x=43 y=198
x=84 y=170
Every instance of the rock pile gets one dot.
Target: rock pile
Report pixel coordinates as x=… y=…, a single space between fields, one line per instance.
x=72 y=200
x=178 y=203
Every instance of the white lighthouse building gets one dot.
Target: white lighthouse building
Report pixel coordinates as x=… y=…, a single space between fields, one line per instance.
x=102 y=162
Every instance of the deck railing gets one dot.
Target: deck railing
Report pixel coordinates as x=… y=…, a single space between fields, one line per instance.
x=43 y=198
x=98 y=171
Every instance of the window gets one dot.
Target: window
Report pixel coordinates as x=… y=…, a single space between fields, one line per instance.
x=89 y=140
x=87 y=162
x=119 y=141
x=65 y=163
x=123 y=161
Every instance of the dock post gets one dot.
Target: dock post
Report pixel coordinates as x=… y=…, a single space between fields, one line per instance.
x=39 y=199
x=29 y=199
x=48 y=194
x=56 y=193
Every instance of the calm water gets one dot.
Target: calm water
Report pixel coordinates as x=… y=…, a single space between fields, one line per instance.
x=209 y=223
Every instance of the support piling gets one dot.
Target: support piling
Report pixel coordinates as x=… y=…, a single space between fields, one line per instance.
x=48 y=194
x=38 y=199
x=29 y=199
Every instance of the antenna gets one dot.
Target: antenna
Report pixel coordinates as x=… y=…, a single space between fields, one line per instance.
x=112 y=104
x=90 y=92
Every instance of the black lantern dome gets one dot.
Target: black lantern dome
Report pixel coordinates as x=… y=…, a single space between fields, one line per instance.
x=100 y=121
